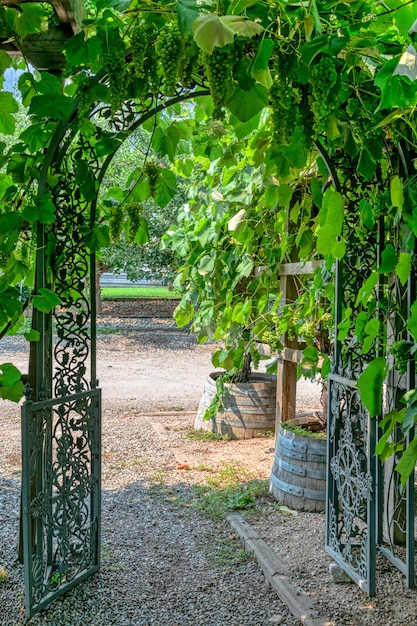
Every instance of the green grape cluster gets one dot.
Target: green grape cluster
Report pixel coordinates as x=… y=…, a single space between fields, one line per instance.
x=285 y=97
x=151 y=171
x=115 y=67
x=170 y=48
x=83 y=105
x=134 y=211
x=323 y=79
x=139 y=42
x=271 y=339
x=218 y=68
x=402 y=353
x=116 y=222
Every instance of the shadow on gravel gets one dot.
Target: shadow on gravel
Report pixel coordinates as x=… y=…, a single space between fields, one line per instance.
x=163 y=564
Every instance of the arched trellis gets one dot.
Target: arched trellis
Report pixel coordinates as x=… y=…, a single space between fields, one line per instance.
x=61 y=416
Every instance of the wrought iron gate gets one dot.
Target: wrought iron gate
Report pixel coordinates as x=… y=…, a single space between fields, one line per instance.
x=61 y=494
x=367 y=512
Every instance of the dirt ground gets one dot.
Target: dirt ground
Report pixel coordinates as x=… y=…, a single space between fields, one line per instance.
x=148 y=367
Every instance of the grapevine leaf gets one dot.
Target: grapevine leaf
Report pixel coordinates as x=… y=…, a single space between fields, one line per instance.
x=46 y=300
x=119 y=5
x=188 y=11
x=166 y=188
x=410 y=414
x=246 y=104
x=8 y=106
x=30 y=19
x=388 y=259
x=183 y=313
x=367 y=164
x=405 y=466
x=36 y=136
x=396 y=192
x=371 y=330
x=80 y=51
x=98 y=238
x=260 y=65
x=52 y=106
x=367 y=288
x=33 y=335
x=5 y=183
x=242 y=26
x=13 y=392
x=412 y=320
x=142 y=235
x=210 y=31
x=403 y=267
x=5 y=61
x=370 y=384
x=9 y=374
x=42 y=211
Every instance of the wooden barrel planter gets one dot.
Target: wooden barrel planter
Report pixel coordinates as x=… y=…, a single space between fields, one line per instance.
x=298 y=477
x=248 y=408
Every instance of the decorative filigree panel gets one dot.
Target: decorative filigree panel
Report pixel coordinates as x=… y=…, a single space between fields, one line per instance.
x=61 y=494
x=351 y=484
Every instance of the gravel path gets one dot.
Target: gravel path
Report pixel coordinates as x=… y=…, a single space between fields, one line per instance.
x=165 y=563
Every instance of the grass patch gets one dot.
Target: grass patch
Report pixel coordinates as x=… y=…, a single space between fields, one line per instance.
x=230 y=489
x=205 y=435
x=227 y=551
x=109 y=293
x=299 y=430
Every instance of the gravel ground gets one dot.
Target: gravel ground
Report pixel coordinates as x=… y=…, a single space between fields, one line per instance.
x=165 y=563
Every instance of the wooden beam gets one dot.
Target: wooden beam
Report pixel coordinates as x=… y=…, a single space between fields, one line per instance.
x=296 y=269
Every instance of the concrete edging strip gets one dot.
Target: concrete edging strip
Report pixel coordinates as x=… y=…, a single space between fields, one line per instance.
x=297 y=601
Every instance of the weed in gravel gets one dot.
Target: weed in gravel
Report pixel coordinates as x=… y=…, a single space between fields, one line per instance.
x=227 y=551
x=224 y=493
x=265 y=435
x=158 y=477
x=205 y=435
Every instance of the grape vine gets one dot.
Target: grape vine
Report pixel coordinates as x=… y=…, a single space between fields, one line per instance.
x=218 y=68
x=139 y=42
x=134 y=212
x=285 y=96
x=170 y=48
x=151 y=171
x=115 y=67
x=323 y=79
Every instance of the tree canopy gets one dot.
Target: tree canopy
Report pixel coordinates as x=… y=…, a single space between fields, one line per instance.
x=300 y=130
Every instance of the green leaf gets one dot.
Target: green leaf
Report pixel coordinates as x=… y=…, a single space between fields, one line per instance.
x=242 y=26
x=210 y=31
x=166 y=188
x=370 y=384
x=85 y=178
x=80 y=51
x=396 y=192
x=388 y=259
x=403 y=267
x=142 y=235
x=405 y=466
x=366 y=290
x=36 y=136
x=43 y=211
x=246 y=104
x=53 y=106
x=371 y=330
x=187 y=11
x=412 y=320
x=8 y=106
x=260 y=64
x=98 y=238
x=46 y=301
x=32 y=335
x=183 y=314
x=11 y=386
x=5 y=182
